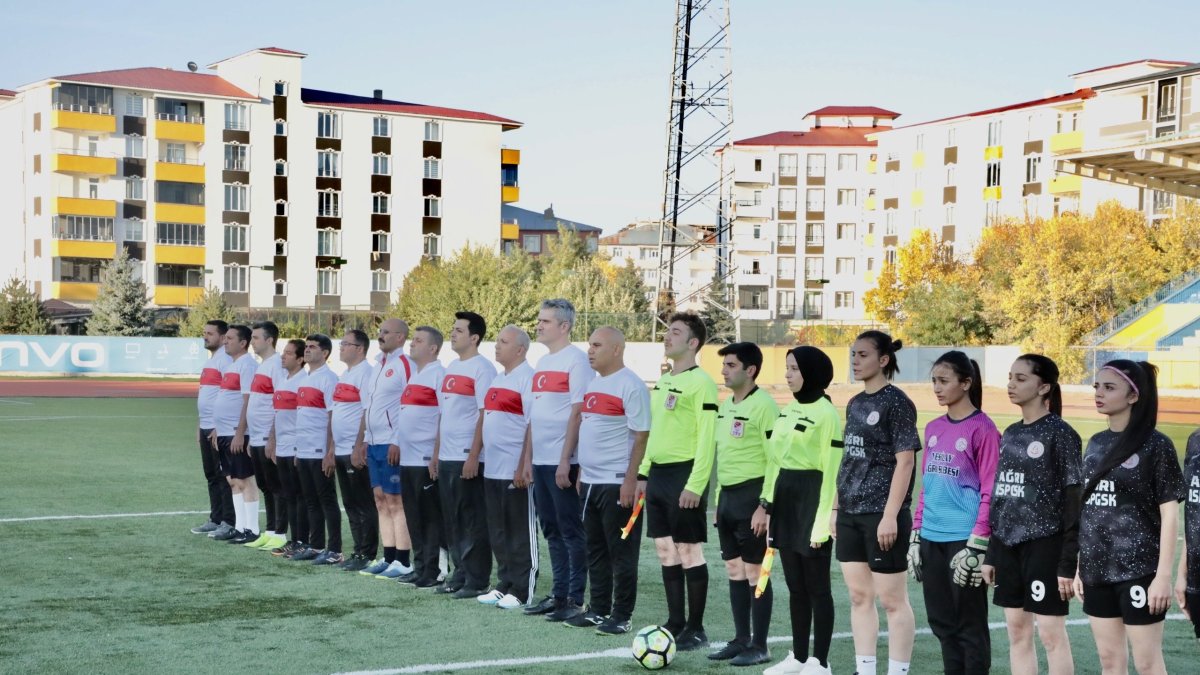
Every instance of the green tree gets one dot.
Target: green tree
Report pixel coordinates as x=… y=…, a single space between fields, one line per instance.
x=947 y=312
x=121 y=306
x=21 y=312
x=920 y=263
x=210 y=307
x=721 y=325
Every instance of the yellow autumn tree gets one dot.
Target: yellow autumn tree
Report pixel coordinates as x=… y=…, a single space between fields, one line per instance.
x=920 y=263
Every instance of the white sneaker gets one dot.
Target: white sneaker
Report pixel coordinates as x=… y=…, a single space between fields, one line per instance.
x=788 y=666
x=509 y=601
x=813 y=667
x=489 y=598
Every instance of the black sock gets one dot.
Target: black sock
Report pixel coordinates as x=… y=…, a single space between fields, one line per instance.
x=402 y=554
x=761 y=611
x=697 y=592
x=389 y=554
x=739 y=601
x=673 y=583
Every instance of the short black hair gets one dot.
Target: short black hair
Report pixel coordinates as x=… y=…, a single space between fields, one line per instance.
x=222 y=327
x=322 y=341
x=360 y=337
x=243 y=332
x=475 y=324
x=747 y=353
x=269 y=329
x=694 y=323
x=297 y=346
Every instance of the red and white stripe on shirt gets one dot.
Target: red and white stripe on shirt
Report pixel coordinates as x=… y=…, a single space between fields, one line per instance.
x=285 y=402
x=349 y=399
x=236 y=380
x=210 y=384
x=417 y=427
x=391 y=375
x=614 y=407
x=314 y=400
x=260 y=413
x=506 y=407
x=559 y=382
x=461 y=398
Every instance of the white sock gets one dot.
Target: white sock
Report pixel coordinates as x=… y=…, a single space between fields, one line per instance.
x=252 y=516
x=897 y=667
x=239 y=508
x=865 y=665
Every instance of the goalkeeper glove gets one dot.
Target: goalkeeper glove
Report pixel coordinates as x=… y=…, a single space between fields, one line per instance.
x=914 y=556
x=967 y=564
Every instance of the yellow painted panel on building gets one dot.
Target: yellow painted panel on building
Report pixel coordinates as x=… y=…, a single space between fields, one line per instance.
x=178 y=213
x=993 y=152
x=869 y=276
x=918 y=160
x=869 y=239
x=872 y=166
x=917 y=198
x=75 y=206
x=510 y=156
x=70 y=290
x=509 y=231
x=991 y=194
x=179 y=131
x=177 y=296
x=84 y=164
x=68 y=119
x=64 y=248
x=179 y=255
x=1068 y=141
x=870 y=203
x=182 y=173
x=1063 y=184
x=509 y=193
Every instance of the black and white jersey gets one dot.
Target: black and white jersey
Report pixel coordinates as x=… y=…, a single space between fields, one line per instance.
x=1191 y=512
x=1119 y=524
x=878 y=426
x=1037 y=463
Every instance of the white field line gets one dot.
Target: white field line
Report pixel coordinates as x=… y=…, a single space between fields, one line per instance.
x=10 y=401
x=47 y=418
x=103 y=516
x=620 y=653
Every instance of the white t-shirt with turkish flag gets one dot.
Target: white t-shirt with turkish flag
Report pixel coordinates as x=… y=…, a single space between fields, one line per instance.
x=210 y=384
x=261 y=411
x=614 y=407
x=236 y=379
x=463 y=388
x=349 y=399
x=417 y=428
x=505 y=417
x=284 y=402
x=388 y=381
x=559 y=382
x=314 y=400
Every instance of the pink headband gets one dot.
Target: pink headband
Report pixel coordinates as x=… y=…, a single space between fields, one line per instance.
x=1124 y=377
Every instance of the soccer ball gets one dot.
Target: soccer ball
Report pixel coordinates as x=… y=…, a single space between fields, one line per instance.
x=654 y=647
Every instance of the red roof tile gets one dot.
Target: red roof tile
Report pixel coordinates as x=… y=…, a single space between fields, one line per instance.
x=1077 y=95
x=7 y=93
x=1130 y=63
x=854 y=110
x=336 y=100
x=161 y=79
x=281 y=50
x=820 y=136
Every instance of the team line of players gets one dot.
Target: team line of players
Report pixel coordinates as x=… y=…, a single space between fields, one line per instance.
x=447 y=467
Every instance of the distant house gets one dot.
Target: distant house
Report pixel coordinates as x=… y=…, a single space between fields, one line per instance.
x=524 y=229
x=694 y=268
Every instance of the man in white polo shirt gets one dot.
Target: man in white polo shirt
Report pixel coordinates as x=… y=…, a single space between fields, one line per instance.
x=511 y=532
x=233 y=445
x=220 y=499
x=353 y=388
x=281 y=447
x=260 y=416
x=458 y=455
x=314 y=455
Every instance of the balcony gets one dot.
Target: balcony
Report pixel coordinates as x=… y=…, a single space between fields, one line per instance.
x=179 y=255
x=68 y=162
x=917 y=199
x=171 y=127
x=870 y=203
x=509 y=230
x=745 y=244
x=745 y=278
x=177 y=296
x=509 y=193
x=510 y=156
x=993 y=152
x=83 y=118
x=77 y=206
x=67 y=248
x=1065 y=184
x=872 y=166
x=755 y=313
x=748 y=209
x=179 y=171
x=918 y=159
x=991 y=194
x=178 y=213
x=1068 y=141
x=752 y=177
x=74 y=290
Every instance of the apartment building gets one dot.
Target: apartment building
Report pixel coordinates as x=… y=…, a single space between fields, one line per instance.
x=279 y=195
x=532 y=231
x=817 y=262
x=694 y=267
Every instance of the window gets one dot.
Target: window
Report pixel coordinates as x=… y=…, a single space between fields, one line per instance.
x=756 y=198
x=843 y=299
x=787 y=302
x=433 y=207
x=844 y=266
x=235 y=237
x=280 y=128
x=815 y=199
x=1032 y=164
x=787 y=165
x=237 y=197
x=889 y=223
x=433 y=131
x=1065 y=205
x=433 y=246
x=281 y=88
x=235 y=278
x=591 y=244
x=281 y=208
x=329 y=282
x=281 y=167
x=83 y=228
x=752 y=298
x=847 y=162
x=648 y=253
x=757 y=164
x=329 y=204
x=816 y=165
x=329 y=242
x=757 y=230
x=1030 y=205
x=532 y=243
x=920 y=142
x=870 y=264
x=992 y=213
x=617 y=252
x=993 y=174
x=135 y=106
x=381 y=126
x=787 y=199
x=93 y=188
x=1167 y=100
x=327 y=125
x=381 y=242
x=135 y=147
x=280 y=287
x=847 y=197
x=889 y=256
x=379 y=204
x=381 y=281
x=135 y=188
x=281 y=247
x=237 y=117
x=1069 y=121
x=433 y=167
x=787 y=234
x=950 y=175
x=787 y=267
x=329 y=164
x=381 y=165
x=179 y=234
x=814 y=234
x=1161 y=202
x=845 y=231
x=812 y=305
x=237 y=157
x=918 y=219
x=949 y=214
x=85 y=270
x=994 y=131
x=175 y=153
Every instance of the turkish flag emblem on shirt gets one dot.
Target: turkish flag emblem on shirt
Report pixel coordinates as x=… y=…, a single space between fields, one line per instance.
x=603 y=404
x=286 y=400
x=346 y=393
x=231 y=381
x=261 y=384
x=418 y=394
x=553 y=381
x=210 y=377
x=499 y=399
x=458 y=384
x=310 y=397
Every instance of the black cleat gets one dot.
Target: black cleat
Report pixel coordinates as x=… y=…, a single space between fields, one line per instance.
x=546 y=606
x=566 y=610
x=730 y=650
x=752 y=656
x=691 y=640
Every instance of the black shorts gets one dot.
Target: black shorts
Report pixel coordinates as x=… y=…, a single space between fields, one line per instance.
x=1126 y=600
x=664 y=518
x=235 y=465
x=858 y=541
x=735 y=508
x=1027 y=575
x=1193 y=603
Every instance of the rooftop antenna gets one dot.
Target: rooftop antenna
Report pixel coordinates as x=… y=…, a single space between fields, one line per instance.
x=192 y=66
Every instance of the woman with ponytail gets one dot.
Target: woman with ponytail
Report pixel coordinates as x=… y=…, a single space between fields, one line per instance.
x=1129 y=520
x=951 y=526
x=1187 y=582
x=1033 y=551
x=872 y=520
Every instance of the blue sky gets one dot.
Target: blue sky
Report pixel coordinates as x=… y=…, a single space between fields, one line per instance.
x=590 y=79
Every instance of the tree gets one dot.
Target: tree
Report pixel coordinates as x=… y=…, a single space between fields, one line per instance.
x=121 y=306
x=211 y=306
x=721 y=325
x=948 y=312
x=1176 y=241
x=21 y=312
x=921 y=262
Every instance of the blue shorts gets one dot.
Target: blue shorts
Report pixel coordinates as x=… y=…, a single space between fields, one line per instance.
x=383 y=475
